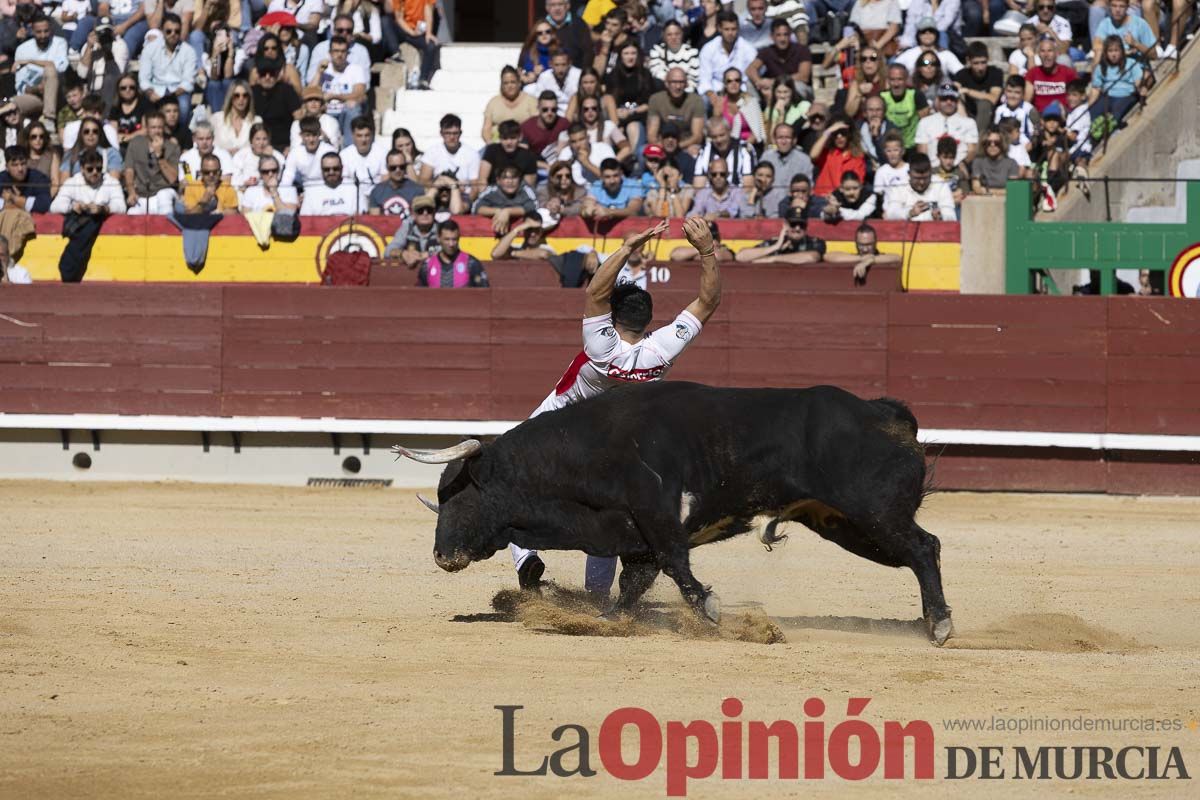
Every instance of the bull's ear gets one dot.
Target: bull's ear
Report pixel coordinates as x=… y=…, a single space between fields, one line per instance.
x=479 y=471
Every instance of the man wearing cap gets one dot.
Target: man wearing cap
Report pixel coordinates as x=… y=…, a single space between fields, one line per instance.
x=276 y=102
x=792 y=246
x=926 y=38
x=396 y=195
x=416 y=239
x=314 y=106
x=947 y=121
x=679 y=107
x=1046 y=82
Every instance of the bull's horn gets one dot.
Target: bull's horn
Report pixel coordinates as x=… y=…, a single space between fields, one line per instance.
x=425 y=501
x=465 y=449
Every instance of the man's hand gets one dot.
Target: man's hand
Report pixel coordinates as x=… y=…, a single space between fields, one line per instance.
x=500 y=221
x=919 y=208
x=936 y=212
x=698 y=235
x=860 y=269
x=639 y=241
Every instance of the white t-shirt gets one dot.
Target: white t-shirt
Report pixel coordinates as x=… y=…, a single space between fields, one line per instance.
x=607 y=360
x=18 y=274
x=255 y=198
x=464 y=163
x=245 y=166
x=331 y=131
x=1060 y=26
x=958 y=127
x=191 y=160
x=305 y=166
x=371 y=168
x=599 y=152
x=1019 y=60
x=888 y=176
x=324 y=201
x=334 y=82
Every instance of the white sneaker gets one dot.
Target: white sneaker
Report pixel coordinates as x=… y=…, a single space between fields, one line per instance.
x=1167 y=52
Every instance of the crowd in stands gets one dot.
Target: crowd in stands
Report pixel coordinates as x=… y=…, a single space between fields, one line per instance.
x=615 y=108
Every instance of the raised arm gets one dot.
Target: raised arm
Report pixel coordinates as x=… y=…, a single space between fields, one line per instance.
x=698 y=234
x=601 y=287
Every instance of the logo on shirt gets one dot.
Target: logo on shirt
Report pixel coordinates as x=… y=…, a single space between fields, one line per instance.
x=607 y=332
x=348 y=236
x=682 y=332
x=635 y=375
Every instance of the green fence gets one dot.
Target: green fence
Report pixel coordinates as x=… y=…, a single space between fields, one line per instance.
x=1033 y=247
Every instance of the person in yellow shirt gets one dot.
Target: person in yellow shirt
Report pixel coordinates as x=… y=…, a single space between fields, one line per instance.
x=209 y=195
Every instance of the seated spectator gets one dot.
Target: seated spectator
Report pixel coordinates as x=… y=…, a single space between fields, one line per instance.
x=673 y=52
x=1079 y=119
x=314 y=106
x=980 y=85
x=68 y=13
x=151 y=169
x=1117 y=81
x=204 y=145
x=1018 y=150
x=874 y=127
x=365 y=158
x=792 y=246
x=169 y=67
x=90 y=195
x=631 y=86
x=511 y=104
x=209 y=194
x=676 y=105
x=866 y=254
x=449 y=157
x=361 y=22
x=246 y=162
x=600 y=130
x=863 y=80
x=276 y=103
x=534 y=56
x=993 y=169
x=1046 y=82
x=573 y=34
x=785 y=107
x=333 y=196
x=904 y=105
x=718 y=56
x=740 y=110
x=612 y=197
x=267 y=193
x=449 y=267
x=1132 y=32
x=1046 y=22
x=402 y=140
x=534 y=248
x=511 y=198
x=560 y=194
x=879 y=20
x=303 y=166
x=21 y=186
x=358 y=54
x=540 y=133
x=669 y=142
x=927 y=77
x=755 y=26
x=718 y=199
x=785 y=158
x=269 y=56
x=849 y=201
x=1016 y=108
x=781 y=60
x=102 y=61
x=219 y=65
x=42 y=156
x=669 y=195
x=837 y=151
x=562 y=80
x=952 y=172
x=73 y=94
x=126 y=20
x=686 y=252
x=231 y=125
x=127 y=113
x=10 y=270
x=591 y=87
x=947 y=121
x=721 y=144
x=799 y=195
x=417 y=237
x=38 y=62
x=396 y=195
x=584 y=155
x=176 y=131
x=447 y=197
x=1025 y=56
x=91 y=138
x=920 y=200
x=1049 y=153
x=925 y=37
x=412 y=24
x=508 y=152
x=344 y=85
x=763 y=197
x=612 y=35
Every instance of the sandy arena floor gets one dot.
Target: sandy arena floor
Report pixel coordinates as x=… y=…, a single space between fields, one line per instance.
x=194 y=641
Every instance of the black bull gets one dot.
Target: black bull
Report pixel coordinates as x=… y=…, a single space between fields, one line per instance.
x=646 y=472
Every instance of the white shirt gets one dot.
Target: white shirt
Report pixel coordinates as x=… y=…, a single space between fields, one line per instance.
x=18 y=274
x=340 y=200
x=303 y=166
x=75 y=188
x=599 y=152
x=255 y=198
x=1022 y=114
x=1019 y=60
x=607 y=360
x=740 y=152
x=960 y=128
x=334 y=82
x=331 y=131
x=464 y=163
x=887 y=177
x=901 y=199
x=714 y=60
x=546 y=82
x=1060 y=26
x=1019 y=154
x=371 y=168
x=190 y=160
x=245 y=166
x=1079 y=119
x=358 y=55
x=56 y=52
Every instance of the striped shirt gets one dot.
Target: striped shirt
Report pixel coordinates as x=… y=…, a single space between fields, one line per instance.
x=687 y=58
x=791 y=10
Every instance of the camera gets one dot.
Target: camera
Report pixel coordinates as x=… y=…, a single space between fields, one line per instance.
x=105 y=35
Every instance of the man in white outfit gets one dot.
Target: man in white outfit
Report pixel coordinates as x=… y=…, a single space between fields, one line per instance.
x=617 y=349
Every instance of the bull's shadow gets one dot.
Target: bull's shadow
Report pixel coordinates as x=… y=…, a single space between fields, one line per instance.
x=868 y=625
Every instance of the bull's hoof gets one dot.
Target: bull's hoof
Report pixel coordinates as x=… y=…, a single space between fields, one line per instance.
x=940 y=630
x=712 y=607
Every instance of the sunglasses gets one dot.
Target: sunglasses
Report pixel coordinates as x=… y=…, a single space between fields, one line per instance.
x=343 y=31
x=719 y=174
x=394 y=167
x=591 y=108
x=548 y=109
x=170 y=31
x=817 y=118
x=128 y=87
x=544 y=32
x=210 y=172
x=424 y=210
x=870 y=58
x=236 y=95
x=733 y=80
x=90 y=131
x=92 y=170
x=1046 y=7
x=269 y=171
x=330 y=170
x=992 y=143
x=33 y=137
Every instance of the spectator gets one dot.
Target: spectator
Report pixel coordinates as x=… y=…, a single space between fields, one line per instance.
x=947 y=121
x=508 y=152
x=1133 y=32
x=127 y=112
x=904 y=105
x=584 y=155
x=675 y=53
x=573 y=34
x=449 y=157
x=561 y=79
x=980 y=85
x=795 y=12
x=10 y=270
x=786 y=159
x=1117 y=81
x=865 y=79
x=1018 y=150
x=365 y=23
x=169 y=67
x=874 y=127
x=978 y=15
x=204 y=145
x=920 y=200
x=344 y=85
x=91 y=138
x=993 y=169
x=1046 y=82
x=509 y=199
x=763 y=197
x=365 y=158
x=402 y=140
x=837 y=152
x=314 y=106
x=220 y=65
x=612 y=197
x=73 y=93
x=669 y=141
x=785 y=106
x=928 y=77
x=1049 y=153
x=542 y=131
x=333 y=196
x=358 y=54
x=21 y=186
x=740 y=110
x=560 y=194
x=879 y=20
x=756 y=28
x=702 y=27
x=534 y=56
x=1046 y=22
x=719 y=199
x=799 y=195
x=1079 y=119
x=268 y=54
x=591 y=88
x=815 y=120
x=866 y=254
x=600 y=130
x=151 y=169
x=511 y=104
x=667 y=195
x=210 y=194
x=612 y=37
x=276 y=103
x=849 y=201
x=1016 y=108
x=944 y=17
x=677 y=106
x=88 y=197
x=416 y=239
x=534 y=248
x=631 y=85
x=952 y=172
x=721 y=144
x=68 y=13
x=396 y=195
x=231 y=125
x=1025 y=56
x=297 y=55
x=926 y=40
x=781 y=59
x=102 y=61
x=792 y=246
x=303 y=166
x=412 y=23
x=727 y=51
x=38 y=63
x=173 y=125
x=246 y=162
x=127 y=19
x=42 y=156
x=449 y=267
x=267 y=192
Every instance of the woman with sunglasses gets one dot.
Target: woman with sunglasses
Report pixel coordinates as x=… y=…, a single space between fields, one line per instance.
x=245 y=161
x=837 y=151
x=866 y=79
x=992 y=169
x=233 y=123
x=928 y=76
x=534 y=58
x=42 y=156
x=127 y=112
x=590 y=86
x=403 y=141
x=91 y=138
x=269 y=55
x=739 y=109
x=511 y=103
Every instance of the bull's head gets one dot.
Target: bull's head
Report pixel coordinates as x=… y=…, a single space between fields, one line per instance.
x=463 y=534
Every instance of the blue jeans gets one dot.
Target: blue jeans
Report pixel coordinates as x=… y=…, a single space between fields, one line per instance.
x=249 y=8
x=199 y=42
x=599 y=574
x=972 y=15
x=133 y=37
x=345 y=117
x=214 y=92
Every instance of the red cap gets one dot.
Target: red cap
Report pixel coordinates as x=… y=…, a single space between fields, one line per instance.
x=654 y=151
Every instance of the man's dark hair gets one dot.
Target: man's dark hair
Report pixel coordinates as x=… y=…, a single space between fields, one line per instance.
x=726 y=16
x=766 y=164
x=866 y=228
x=91 y=158
x=333 y=155
x=396 y=152
x=208 y=158
x=448 y=225
x=362 y=121
x=339 y=40
x=509 y=169
x=576 y=127
x=548 y=95
x=632 y=307
x=894 y=135
x=93 y=104
x=509 y=129
x=800 y=179
x=1014 y=82
x=40 y=17
x=609 y=164
x=976 y=50
x=16 y=152
x=946 y=146
x=919 y=163
x=310 y=124
x=450 y=121
x=168 y=100
x=1078 y=86
x=779 y=22
x=851 y=174
x=170 y=17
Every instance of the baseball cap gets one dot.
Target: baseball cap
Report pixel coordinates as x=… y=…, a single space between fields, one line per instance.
x=424 y=201
x=669 y=129
x=311 y=92
x=654 y=151
x=1055 y=109
x=926 y=24
x=947 y=90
